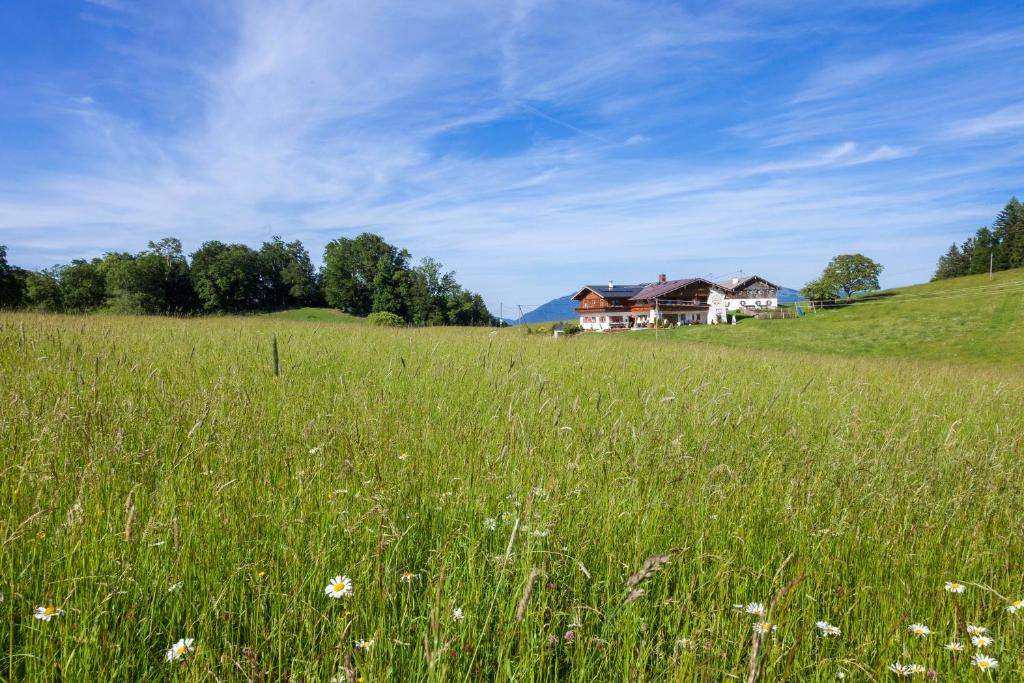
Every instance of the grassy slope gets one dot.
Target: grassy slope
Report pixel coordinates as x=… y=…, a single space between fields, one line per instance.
x=970 y=319
x=318 y=315
x=876 y=480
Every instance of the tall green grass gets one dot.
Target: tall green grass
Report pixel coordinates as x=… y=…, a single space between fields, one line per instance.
x=160 y=483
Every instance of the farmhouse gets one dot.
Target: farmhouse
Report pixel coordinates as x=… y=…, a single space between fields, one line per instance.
x=690 y=301
x=750 y=293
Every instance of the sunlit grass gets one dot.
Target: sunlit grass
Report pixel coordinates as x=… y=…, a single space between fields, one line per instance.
x=160 y=484
x=969 y=320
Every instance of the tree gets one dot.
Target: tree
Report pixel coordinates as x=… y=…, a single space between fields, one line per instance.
x=817 y=290
x=153 y=281
x=12 y=283
x=954 y=264
x=851 y=274
x=42 y=290
x=82 y=285
x=1008 y=233
x=982 y=250
x=227 y=277
x=363 y=275
x=288 y=274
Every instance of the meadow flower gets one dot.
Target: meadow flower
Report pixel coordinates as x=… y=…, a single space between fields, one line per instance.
x=954 y=646
x=540 y=533
x=174 y=586
x=180 y=649
x=976 y=630
x=755 y=608
x=47 y=613
x=898 y=669
x=828 y=629
x=365 y=645
x=981 y=641
x=569 y=636
x=955 y=587
x=403 y=456
x=314 y=450
x=920 y=630
x=457 y=614
x=912 y=669
x=1015 y=605
x=408 y=576
x=490 y=523
x=764 y=627
x=684 y=643
x=985 y=662
x=339 y=587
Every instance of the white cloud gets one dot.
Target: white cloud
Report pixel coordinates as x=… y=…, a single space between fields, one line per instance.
x=1001 y=121
x=316 y=119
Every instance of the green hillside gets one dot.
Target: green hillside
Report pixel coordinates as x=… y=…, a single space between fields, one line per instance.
x=971 y=319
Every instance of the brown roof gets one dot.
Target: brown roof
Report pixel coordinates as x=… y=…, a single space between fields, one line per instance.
x=662 y=288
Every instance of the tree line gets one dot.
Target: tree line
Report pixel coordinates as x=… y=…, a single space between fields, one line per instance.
x=1000 y=247
x=361 y=275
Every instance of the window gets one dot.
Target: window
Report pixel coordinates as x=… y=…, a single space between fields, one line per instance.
x=743 y=303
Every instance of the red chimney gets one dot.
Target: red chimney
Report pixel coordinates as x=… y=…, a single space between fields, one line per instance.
x=661 y=279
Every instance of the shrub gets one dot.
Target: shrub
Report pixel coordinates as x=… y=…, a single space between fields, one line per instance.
x=385 y=319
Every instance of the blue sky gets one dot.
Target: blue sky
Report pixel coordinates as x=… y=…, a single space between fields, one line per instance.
x=530 y=146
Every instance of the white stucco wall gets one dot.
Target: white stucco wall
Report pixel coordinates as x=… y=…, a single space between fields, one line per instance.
x=763 y=302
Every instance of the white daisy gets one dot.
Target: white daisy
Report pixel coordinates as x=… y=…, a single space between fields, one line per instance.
x=174 y=586
x=955 y=587
x=339 y=587
x=897 y=669
x=1017 y=604
x=954 y=646
x=920 y=630
x=365 y=645
x=981 y=641
x=47 y=613
x=403 y=456
x=757 y=609
x=976 y=630
x=684 y=643
x=828 y=629
x=457 y=614
x=408 y=576
x=985 y=662
x=764 y=627
x=180 y=649
x=912 y=669
x=490 y=524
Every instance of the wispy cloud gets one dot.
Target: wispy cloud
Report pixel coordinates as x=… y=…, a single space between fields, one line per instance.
x=1001 y=121
x=529 y=145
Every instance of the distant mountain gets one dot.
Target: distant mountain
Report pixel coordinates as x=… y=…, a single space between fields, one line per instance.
x=788 y=296
x=564 y=308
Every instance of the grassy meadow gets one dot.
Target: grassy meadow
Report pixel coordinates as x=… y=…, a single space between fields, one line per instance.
x=970 y=320
x=160 y=483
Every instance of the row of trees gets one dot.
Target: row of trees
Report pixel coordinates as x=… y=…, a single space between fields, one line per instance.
x=360 y=276
x=1000 y=247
